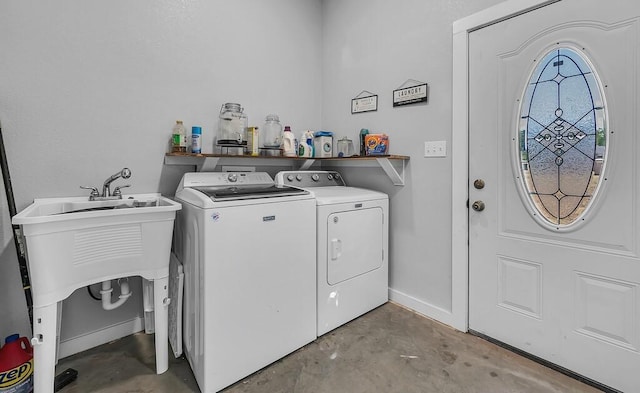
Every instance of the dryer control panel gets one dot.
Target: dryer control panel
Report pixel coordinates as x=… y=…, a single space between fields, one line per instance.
x=306 y=179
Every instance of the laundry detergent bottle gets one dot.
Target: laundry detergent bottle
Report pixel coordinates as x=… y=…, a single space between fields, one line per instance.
x=305 y=149
x=16 y=365
x=288 y=143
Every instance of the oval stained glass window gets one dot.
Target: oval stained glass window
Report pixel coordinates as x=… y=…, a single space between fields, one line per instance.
x=562 y=137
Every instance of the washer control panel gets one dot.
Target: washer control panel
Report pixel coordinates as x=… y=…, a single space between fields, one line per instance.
x=213 y=179
x=310 y=178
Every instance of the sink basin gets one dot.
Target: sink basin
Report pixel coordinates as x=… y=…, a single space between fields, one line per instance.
x=78 y=207
x=72 y=242
x=45 y=207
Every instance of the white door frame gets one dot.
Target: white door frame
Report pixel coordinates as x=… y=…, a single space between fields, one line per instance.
x=460 y=147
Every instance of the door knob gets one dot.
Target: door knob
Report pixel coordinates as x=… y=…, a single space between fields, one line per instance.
x=478 y=206
x=478 y=184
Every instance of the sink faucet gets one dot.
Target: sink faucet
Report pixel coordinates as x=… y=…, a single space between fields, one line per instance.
x=125 y=173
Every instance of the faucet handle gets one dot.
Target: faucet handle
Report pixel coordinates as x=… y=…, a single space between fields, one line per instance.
x=117 y=192
x=94 y=192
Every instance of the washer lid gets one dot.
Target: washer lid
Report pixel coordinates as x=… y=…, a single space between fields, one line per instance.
x=203 y=188
x=241 y=192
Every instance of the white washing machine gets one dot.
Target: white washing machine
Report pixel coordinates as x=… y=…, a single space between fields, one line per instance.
x=249 y=277
x=352 y=246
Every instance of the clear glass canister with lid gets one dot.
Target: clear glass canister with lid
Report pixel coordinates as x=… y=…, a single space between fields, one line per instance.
x=271 y=133
x=232 y=125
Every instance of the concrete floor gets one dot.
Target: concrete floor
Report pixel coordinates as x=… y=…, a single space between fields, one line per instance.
x=388 y=350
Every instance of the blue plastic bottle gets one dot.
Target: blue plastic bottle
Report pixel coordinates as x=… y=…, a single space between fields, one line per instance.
x=196 y=139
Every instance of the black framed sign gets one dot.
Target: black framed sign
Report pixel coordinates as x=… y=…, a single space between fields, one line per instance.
x=364 y=103
x=410 y=94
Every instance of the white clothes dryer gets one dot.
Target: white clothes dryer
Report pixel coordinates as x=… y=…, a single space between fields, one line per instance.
x=249 y=277
x=352 y=246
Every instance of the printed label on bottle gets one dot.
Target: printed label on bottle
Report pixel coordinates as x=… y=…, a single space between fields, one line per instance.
x=178 y=145
x=195 y=143
x=18 y=379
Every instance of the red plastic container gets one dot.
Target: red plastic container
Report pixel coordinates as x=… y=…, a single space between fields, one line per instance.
x=16 y=365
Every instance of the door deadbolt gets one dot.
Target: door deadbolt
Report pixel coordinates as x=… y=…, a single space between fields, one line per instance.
x=478 y=184
x=478 y=206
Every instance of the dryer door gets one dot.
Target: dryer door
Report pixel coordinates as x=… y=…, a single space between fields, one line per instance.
x=355 y=239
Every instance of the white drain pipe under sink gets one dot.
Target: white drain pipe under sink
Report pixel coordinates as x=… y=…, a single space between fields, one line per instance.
x=125 y=294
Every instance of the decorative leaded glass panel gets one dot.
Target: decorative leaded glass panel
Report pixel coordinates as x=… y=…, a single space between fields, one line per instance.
x=562 y=136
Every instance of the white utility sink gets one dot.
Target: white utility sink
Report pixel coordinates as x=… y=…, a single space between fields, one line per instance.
x=72 y=242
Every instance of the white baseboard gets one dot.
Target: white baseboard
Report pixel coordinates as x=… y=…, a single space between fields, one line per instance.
x=422 y=307
x=77 y=344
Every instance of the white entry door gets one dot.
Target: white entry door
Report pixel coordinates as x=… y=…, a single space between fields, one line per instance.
x=554 y=186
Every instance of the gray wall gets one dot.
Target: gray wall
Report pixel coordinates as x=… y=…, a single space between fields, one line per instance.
x=88 y=87
x=13 y=311
x=377 y=45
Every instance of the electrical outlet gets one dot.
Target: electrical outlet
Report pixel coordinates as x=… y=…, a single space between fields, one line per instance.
x=435 y=149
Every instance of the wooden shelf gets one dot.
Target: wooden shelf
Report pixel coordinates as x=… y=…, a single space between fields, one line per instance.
x=392 y=165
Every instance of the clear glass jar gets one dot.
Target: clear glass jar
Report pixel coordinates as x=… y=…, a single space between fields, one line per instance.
x=271 y=133
x=232 y=125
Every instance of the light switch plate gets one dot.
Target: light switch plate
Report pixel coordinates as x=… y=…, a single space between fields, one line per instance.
x=435 y=149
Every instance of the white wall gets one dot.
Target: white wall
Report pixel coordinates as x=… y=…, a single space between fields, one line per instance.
x=90 y=87
x=377 y=45
x=13 y=307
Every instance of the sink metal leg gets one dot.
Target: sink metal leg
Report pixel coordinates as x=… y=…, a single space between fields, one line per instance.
x=161 y=321
x=44 y=347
